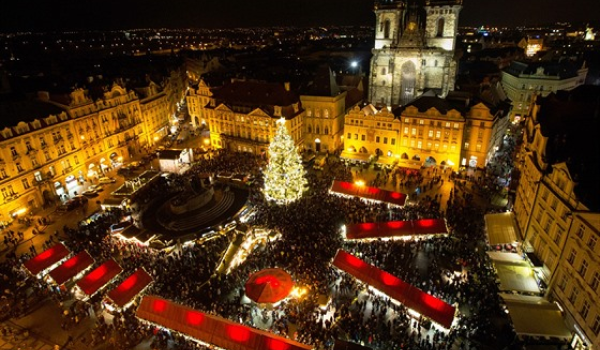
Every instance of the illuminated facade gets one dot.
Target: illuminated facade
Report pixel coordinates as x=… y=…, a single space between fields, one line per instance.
x=409 y=58
x=197 y=99
x=557 y=205
x=72 y=138
x=242 y=115
x=429 y=130
x=523 y=81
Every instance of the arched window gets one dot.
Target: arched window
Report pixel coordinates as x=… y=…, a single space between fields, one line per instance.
x=326 y=131
x=317 y=129
x=386 y=29
x=309 y=112
x=440 y=27
x=310 y=129
x=383 y=71
x=326 y=113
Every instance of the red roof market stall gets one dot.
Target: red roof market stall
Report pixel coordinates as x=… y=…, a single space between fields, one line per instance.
x=372 y=193
x=47 y=258
x=269 y=285
x=130 y=287
x=211 y=329
x=71 y=267
x=395 y=229
x=412 y=297
x=99 y=277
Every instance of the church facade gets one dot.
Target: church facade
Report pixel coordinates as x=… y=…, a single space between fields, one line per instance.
x=413 y=51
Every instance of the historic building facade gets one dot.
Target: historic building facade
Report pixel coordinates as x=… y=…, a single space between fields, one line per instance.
x=524 y=81
x=453 y=132
x=72 y=137
x=410 y=57
x=557 y=205
x=242 y=115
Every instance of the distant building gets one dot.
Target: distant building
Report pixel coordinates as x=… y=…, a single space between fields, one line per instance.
x=522 y=81
x=557 y=204
x=413 y=53
x=242 y=115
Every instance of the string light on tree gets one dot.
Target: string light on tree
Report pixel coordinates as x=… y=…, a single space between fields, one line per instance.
x=284 y=175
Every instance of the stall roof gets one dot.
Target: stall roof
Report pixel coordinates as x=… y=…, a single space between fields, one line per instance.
x=535 y=316
x=501 y=228
x=391 y=229
x=372 y=193
x=515 y=274
x=362 y=157
x=211 y=329
x=99 y=277
x=412 y=297
x=46 y=258
x=130 y=287
x=71 y=267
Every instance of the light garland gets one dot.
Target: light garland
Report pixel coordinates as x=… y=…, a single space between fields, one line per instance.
x=284 y=175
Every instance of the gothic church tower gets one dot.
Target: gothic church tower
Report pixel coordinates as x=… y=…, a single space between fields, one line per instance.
x=413 y=52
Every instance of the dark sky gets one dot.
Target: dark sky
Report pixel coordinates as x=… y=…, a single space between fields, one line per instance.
x=40 y=15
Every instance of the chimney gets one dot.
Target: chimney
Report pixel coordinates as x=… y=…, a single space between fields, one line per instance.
x=287 y=86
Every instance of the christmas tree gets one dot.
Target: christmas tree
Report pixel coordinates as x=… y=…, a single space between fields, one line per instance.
x=284 y=175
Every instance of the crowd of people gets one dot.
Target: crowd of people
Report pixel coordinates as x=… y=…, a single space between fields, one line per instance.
x=452 y=268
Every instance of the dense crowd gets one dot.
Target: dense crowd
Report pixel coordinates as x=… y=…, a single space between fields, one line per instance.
x=451 y=268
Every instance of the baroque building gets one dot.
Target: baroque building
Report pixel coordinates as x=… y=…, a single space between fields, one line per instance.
x=557 y=204
x=50 y=144
x=413 y=52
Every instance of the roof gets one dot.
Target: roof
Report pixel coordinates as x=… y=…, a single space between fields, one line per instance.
x=19 y=109
x=324 y=83
x=47 y=258
x=130 y=287
x=500 y=228
x=412 y=297
x=392 y=229
x=255 y=93
x=169 y=154
x=99 y=277
x=535 y=316
x=443 y=105
x=211 y=329
x=563 y=69
x=71 y=267
x=371 y=193
x=570 y=120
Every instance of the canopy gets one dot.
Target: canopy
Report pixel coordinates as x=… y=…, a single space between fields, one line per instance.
x=269 y=286
x=47 y=258
x=96 y=279
x=412 y=297
x=211 y=329
x=500 y=228
x=514 y=272
x=535 y=316
x=71 y=267
x=363 y=157
x=372 y=193
x=392 y=229
x=130 y=287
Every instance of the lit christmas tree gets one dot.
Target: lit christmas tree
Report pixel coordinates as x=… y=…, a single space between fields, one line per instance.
x=284 y=175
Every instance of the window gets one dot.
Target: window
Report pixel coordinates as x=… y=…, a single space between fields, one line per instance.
x=583 y=268
x=447 y=125
x=554 y=204
x=413 y=131
x=3 y=173
x=592 y=242
x=385 y=140
x=572 y=256
x=438 y=134
x=362 y=137
x=563 y=282
x=482 y=125
x=356 y=136
x=478 y=147
x=377 y=139
x=428 y=145
x=574 y=295
x=419 y=144
x=76 y=160
x=558 y=236
x=13 y=151
x=595 y=281
x=349 y=136
x=412 y=143
x=585 y=309
x=466 y=145
x=456 y=125
x=25 y=184
x=436 y=146
x=383 y=71
x=19 y=167
x=430 y=133
x=596 y=325
x=406 y=130
x=393 y=142
x=421 y=122
x=581 y=231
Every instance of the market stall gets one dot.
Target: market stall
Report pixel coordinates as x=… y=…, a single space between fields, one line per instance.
x=397 y=229
x=71 y=268
x=369 y=193
x=515 y=273
x=412 y=297
x=209 y=329
x=269 y=286
x=47 y=259
x=124 y=293
x=91 y=283
x=501 y=229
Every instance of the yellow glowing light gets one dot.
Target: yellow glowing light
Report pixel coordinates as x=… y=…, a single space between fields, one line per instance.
x=21 y=211
x=206 y=141
x=359 y=183
x=298 y=292
x=120 y=159
x=82 y=137
x=155 y=138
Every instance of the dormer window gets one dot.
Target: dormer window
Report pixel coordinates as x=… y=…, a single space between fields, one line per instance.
x=277 y=111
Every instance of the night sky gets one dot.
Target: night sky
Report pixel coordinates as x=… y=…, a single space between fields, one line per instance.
x=42 y=15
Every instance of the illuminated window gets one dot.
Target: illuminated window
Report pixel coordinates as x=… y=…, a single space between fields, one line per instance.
x=438 y=134
x=583 y=268
x=430 y=133
x=572 y=256
x=421 y=122
x=412 y=143
x=413 y=131
x=585 y=309
x=406 y=130
x=419 y=145
x=592 y=242
x=478 y=147
x=456 y=125
x=447 y=125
